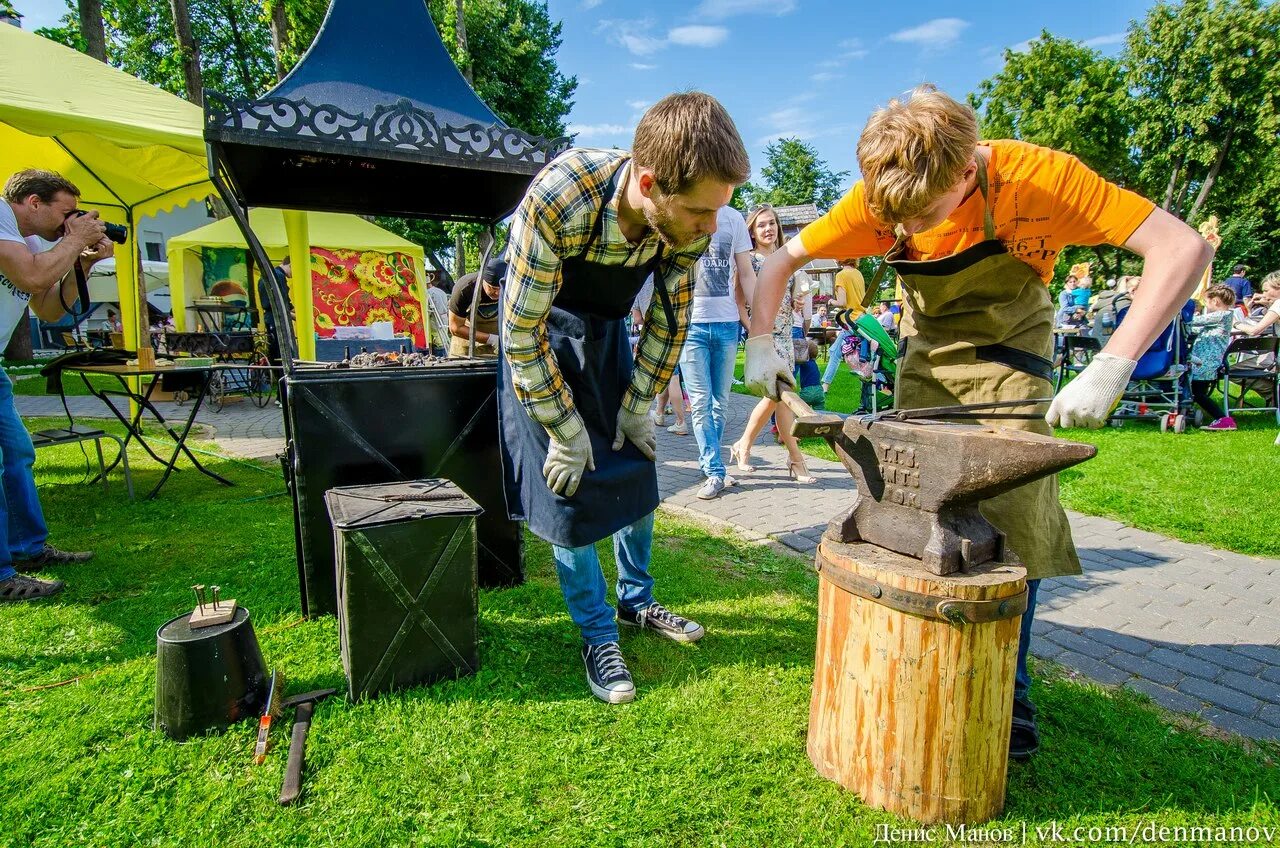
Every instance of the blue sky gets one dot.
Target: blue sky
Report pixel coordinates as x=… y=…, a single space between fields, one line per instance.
x=808 y=68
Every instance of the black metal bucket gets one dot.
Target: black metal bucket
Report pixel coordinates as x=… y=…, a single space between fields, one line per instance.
x=207 y=679
x=352 y=427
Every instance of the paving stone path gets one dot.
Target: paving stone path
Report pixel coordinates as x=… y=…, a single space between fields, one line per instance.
x=1195 y=628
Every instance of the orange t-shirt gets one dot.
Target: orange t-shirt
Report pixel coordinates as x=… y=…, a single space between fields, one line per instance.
x=1042 y=201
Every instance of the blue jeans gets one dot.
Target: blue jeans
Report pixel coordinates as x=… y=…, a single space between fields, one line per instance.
x=833 y=357
x=583 y=587
x=1022 y=679
x=706 y=367
x=22 y=528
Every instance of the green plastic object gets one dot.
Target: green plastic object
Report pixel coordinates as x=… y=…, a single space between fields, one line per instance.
x=405 y=556
x=869 y=328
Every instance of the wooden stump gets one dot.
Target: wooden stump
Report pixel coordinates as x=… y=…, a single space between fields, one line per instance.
x=911 y=710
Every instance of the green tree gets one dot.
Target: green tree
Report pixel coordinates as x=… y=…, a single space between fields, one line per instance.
x=1204 y=77
x=793 y=174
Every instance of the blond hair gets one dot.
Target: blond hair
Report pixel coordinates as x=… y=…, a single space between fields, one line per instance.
x=685 y=138
x=1271 y=281
x=913 y=151
x=755 y=216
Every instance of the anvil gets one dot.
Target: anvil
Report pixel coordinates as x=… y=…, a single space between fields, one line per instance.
x=920 y=481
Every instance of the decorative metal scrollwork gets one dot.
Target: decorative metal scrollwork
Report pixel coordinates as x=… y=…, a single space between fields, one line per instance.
x=400 y=126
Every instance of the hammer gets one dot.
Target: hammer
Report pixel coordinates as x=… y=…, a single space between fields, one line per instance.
x=306 y=704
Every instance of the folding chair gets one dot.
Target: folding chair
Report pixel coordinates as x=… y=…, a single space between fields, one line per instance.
x=1250 y=363
x=72 y=434
x=1077 y=353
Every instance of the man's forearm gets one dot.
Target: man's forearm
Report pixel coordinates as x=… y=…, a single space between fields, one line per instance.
x=1174 y=260
x=51 y=304
x=770 y=284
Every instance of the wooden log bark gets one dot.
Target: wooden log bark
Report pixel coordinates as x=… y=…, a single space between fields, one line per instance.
x=909 y=712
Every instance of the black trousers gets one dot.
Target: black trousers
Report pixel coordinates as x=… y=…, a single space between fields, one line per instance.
x=1202 y=391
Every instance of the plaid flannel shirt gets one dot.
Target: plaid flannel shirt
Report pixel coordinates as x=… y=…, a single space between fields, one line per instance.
x=554 y=222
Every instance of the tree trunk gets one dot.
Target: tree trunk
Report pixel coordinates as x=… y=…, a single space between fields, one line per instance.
x=912 y=713
x=20 y=342
x=1173 y=184
x=1108 y=273
x=464 y=57
x=242 y=64
x=279 y=35
x=459 y=255
x=1212 y=176
x=1177 y=201
x=95 y=40
x=188 y=50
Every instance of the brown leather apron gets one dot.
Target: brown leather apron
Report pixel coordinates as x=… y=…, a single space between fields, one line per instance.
x=978 y=326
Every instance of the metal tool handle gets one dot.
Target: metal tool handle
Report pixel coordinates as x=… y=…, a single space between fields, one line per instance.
x=297 y=750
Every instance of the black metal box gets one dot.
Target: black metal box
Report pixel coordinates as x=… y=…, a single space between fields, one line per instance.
x=382 y=425
x=406 y=575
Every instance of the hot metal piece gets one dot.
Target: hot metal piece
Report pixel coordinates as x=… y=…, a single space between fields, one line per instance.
x=920 y=481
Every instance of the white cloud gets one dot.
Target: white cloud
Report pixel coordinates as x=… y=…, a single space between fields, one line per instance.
x=1105 y=40
x=1022 y=46
x=638 y=105
x=698 y=36
x=935 y=34
x=641 y=66
x=850 y=44
x=590 y=4
x=720 y=9
x=825 y=76
x=637 y=37
x=598 y=130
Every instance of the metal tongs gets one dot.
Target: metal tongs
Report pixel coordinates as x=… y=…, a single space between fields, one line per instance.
x=964 y=410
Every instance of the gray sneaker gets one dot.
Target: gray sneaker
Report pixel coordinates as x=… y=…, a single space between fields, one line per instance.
x=714 y=486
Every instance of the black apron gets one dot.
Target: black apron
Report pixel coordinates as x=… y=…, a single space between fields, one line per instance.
x=587 y=332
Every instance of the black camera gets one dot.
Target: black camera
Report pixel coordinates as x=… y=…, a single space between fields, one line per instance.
x=118 y=233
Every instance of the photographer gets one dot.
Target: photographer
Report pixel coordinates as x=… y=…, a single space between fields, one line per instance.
x=39 y=207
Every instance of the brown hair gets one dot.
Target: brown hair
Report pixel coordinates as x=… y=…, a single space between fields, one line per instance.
x=751 y=224
x=43 y=184
x=912 y=151
x=685 y=138
x=1221 y=293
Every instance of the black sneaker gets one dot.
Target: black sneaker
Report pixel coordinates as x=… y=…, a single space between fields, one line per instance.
x=1024 y=736
x=20 y=587
x=663 y=622
x=51 y=556
x=607 y=673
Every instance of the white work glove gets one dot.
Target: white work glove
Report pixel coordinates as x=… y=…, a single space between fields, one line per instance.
x=764 y=368
x=1088 y=399
x=638 y=428
x=567 y=462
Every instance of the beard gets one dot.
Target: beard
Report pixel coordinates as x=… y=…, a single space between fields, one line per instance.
x=663 y=223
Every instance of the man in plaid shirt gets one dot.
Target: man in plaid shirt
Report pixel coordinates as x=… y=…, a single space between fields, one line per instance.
x=578 y=442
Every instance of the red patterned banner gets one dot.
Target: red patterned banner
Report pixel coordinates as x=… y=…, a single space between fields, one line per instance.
x=352 y=288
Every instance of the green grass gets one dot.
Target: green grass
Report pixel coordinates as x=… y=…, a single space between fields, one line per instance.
x=1215 y=489
x=711 y=753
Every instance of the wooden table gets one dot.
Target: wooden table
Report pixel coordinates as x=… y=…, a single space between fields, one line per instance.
x=202 y=376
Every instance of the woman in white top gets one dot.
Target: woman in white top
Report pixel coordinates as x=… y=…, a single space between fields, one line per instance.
x=1270 y=291
x=766 y=237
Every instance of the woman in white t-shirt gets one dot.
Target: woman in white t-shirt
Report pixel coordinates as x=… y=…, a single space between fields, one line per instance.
x=1271 y=292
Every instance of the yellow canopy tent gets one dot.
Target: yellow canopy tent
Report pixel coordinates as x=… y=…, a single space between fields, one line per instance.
x=324 y=229
x=132 y=149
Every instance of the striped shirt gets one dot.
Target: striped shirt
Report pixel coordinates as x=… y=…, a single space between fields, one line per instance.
x=554 y=222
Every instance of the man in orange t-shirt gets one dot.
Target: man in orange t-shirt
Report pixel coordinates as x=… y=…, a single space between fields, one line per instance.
x=973 y=229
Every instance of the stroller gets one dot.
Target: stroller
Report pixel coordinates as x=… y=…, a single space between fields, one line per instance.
x=1160 y=388
x=872 y=355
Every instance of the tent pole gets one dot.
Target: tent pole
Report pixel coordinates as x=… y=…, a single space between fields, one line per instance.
x=284 y=329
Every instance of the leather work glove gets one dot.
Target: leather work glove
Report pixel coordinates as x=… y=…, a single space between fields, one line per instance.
x=1088 y=399
x=764 y=368
x=567 y=462
x=638 y=428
